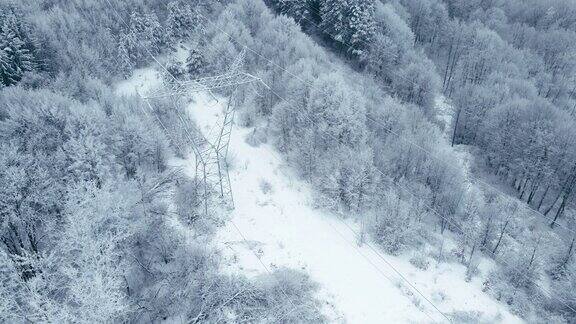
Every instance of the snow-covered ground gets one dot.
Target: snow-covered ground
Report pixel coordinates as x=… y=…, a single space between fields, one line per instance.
x=282 y=228
x=444 y=113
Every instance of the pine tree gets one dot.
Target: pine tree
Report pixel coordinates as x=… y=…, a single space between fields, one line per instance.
x=154 y=33
x=144 y=34
x=195 y=63
x=334 y=19
x=6 y=73
x=124 y=59
x=15 y=57
x=361 y=25
x=297 y=9
x=180 y=22
x=350 y=22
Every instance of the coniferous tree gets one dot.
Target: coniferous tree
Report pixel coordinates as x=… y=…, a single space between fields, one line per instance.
x=361 y=25
x=349 y=22
x=124 y=59
x=300 y=10
x=195 y=63
x=335 y=19
x=144 y=36
x=181 y=21
x=15 y=56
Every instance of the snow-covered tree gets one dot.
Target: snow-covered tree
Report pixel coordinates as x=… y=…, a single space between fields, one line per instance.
x=16 y=57
x=145 y=35
x=417 y=84
x=181 y=21
x=335 y=19
x=361 y=24
x=195 y=63
x=124 y=59
x=301 y=10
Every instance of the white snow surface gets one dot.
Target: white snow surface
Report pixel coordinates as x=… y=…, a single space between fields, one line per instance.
x=283 y=228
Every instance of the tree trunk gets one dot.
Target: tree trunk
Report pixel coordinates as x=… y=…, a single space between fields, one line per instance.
x=543 y=196
x=559 y=212
x=534 y=188
x=534 y=253
x=553 y=203
x=524 y=189
x=456 y=126
x=569 y=254
x=447 y=67
x=487 y=231
x=452 y=67
x=567 y=190
x=500 y=237
x=471 y=255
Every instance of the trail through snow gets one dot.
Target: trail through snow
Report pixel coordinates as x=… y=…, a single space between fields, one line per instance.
x=283 y=228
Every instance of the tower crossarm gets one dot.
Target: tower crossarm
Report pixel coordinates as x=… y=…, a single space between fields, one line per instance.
x=206 y=84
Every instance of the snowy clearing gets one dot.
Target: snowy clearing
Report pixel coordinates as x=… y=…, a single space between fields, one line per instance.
x=283 y=228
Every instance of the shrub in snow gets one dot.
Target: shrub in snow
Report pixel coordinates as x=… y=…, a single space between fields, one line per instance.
x=256 y=137
x=420 y=261
x=176 y=70
x=188 y=200
x=565 y=290
x=265 y=186
x=471 y=271
x=231 y=161
x=392 y=227
x=466 y=317
x=438 y=296
x=291 y=294
x=514 y=284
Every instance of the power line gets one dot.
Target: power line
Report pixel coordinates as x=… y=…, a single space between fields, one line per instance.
x=506 y=196
x=260 y=55
x=247 y=243
x=235 y=226
x=173 y=76
x=466 y=237
x=522 y=273
x=368 y=45
x=363 y=255
x=491 y=187
x=278 y=66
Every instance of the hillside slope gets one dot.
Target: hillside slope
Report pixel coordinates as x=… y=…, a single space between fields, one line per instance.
x=275 y=219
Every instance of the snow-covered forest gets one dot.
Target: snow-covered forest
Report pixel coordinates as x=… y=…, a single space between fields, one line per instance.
x=288 y=161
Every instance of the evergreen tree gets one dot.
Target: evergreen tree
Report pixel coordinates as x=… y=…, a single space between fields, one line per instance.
x=195 y=63
x=297 y=9
x=180 y=22
x=350 y=22
x=15 y=56
x=334 y=19
x=361 y=25
x=124 y=60
x=145 y=34
x=6 y=73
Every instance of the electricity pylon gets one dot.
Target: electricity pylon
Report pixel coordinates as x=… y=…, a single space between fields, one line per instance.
x=211 y=168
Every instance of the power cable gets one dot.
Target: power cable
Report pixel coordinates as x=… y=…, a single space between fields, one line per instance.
x=278 y=66
x=244 y=238
x=491 y=187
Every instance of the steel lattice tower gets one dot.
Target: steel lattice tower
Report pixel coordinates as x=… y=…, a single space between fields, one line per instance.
x=210 y=157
